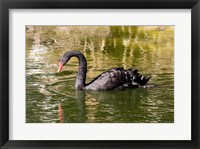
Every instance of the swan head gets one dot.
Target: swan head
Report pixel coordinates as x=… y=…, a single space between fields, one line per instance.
x=63 y=60
x=66 y=57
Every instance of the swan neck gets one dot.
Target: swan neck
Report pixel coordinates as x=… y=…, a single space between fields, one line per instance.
x=82 y=70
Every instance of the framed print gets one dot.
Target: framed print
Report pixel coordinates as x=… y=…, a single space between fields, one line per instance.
x=113 y=74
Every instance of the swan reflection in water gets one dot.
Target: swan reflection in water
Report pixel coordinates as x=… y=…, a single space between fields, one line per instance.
x=92 y=105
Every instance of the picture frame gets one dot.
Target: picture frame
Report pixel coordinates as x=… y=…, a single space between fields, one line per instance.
x=6 y=5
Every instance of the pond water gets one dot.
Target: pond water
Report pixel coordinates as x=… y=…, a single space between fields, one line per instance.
x=51 y=97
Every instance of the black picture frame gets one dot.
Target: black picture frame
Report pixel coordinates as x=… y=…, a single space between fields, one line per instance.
x=5 y=5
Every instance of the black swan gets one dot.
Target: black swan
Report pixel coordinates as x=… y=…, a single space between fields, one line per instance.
x=115 y=78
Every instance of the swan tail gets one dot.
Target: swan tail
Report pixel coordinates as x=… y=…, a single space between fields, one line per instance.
x=136 y=79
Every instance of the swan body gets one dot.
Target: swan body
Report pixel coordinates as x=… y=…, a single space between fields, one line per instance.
x=115 y=78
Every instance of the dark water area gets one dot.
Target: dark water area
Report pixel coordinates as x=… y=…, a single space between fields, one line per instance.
x=51 y=97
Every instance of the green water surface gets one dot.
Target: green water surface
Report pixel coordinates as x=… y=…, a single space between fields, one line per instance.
x=52 y=98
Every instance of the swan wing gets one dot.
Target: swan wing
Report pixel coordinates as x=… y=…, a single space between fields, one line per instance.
x=109 y=80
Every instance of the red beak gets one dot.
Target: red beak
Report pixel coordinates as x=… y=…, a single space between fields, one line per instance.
x=60 y=66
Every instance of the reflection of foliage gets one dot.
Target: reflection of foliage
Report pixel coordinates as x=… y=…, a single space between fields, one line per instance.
x=129 y=45
x=79 y=37
x=95 y=37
